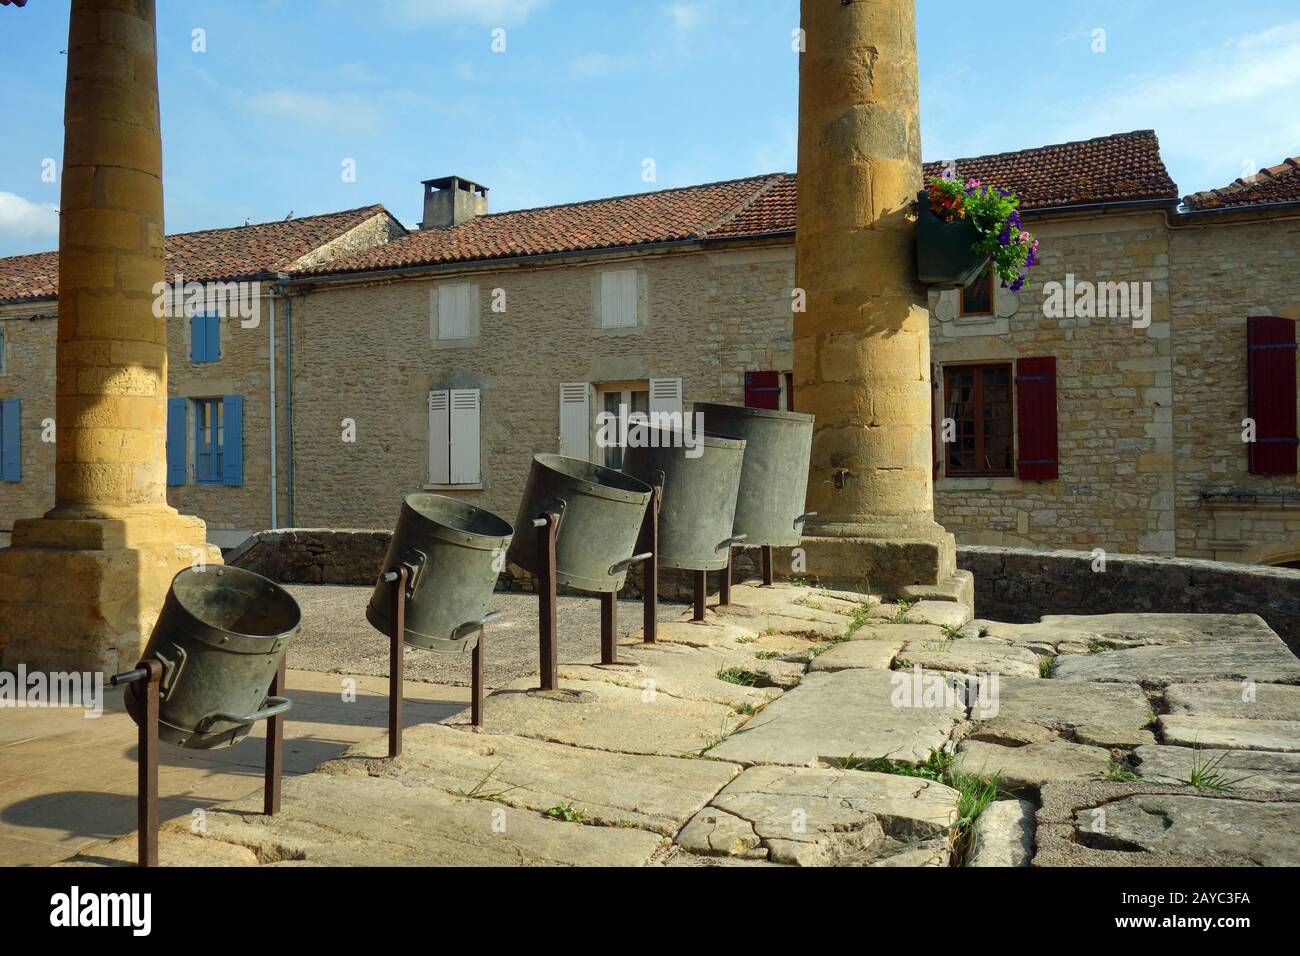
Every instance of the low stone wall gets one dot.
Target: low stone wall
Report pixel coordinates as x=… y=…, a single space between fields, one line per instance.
x=330 y=556
x=1021 y=585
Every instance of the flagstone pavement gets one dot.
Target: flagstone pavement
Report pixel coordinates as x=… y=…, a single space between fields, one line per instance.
x=774 y=733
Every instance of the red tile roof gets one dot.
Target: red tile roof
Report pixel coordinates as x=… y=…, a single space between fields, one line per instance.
x=210 y=255
x=1123 y=167
x=1280 y=183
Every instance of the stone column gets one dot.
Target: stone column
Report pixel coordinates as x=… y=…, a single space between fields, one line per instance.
x=81 y=587
x=862 y=350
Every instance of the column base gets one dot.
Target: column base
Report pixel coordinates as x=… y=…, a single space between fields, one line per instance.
x=83 y=594
x=889 y=567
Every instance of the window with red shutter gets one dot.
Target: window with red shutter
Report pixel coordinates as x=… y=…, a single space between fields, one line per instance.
x=763 y=390
x=1271 y=394
x=978 y=400
x=1037 y=458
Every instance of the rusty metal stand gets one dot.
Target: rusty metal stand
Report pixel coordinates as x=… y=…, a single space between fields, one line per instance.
x=151 y=672
x=724 y=586
x=396 y=659
x=649 y=543
x=274 y=749
x=609 y=627
x=548 y=649
x=476 y=683
x=701 y=594
x=765 y=559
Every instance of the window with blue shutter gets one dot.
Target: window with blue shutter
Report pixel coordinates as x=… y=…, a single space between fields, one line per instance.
x=11 y=449
x=208 y=441
x=232 y=468
x=177 y=460
x=205 y=338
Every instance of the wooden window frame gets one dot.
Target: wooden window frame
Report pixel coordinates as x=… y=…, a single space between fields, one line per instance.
x=962 y=313
x=977 y=401
x=214 y=453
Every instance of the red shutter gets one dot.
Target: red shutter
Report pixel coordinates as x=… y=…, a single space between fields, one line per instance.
x=935 y=423
x=1037 y=459
x=1271 y=378
x=763 y=390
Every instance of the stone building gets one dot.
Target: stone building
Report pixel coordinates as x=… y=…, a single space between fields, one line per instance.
x=1100 y=407
x=219 y=358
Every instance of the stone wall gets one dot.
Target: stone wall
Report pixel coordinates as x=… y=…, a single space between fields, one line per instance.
x=364 y=352
x=1114 y=398
x=29 y=337
x=1224 y=271
x=1021 y=585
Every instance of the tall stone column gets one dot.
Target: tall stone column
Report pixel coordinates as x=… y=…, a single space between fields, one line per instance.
x=861 y=349
x=81 y=587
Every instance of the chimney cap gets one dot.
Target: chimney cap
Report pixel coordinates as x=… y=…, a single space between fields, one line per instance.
x=454 y=182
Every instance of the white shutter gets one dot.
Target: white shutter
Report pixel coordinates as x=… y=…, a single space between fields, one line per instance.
x=439 y=438
x=666 y=395
x=455 y=311
x=575 y=420
x=618 y=299
x=465 y=436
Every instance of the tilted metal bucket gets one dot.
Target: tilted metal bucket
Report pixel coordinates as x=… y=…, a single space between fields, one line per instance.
x=600 y=513
x=453 y=552
x=220 y=638
x=699 y=485
x=774 y=477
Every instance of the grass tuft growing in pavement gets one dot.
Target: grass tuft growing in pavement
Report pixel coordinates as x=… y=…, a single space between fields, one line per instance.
x=1117 y=773
x=479 y=791
x=901 y=612
x=566 y=812
x=1046 y=666
x=735 y=675
x=933 y=767
x=1207 y=775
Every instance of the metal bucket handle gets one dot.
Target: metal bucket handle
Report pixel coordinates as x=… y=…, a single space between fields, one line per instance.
x=730 y=542
x=804 y=517
x=274 y=707
x=469 y=627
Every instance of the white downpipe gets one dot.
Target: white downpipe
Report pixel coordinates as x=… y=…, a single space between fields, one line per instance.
x=275 y=495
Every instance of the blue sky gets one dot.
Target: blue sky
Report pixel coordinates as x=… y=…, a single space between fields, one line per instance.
x=262 y=122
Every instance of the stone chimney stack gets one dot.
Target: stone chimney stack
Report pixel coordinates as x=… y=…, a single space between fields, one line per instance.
x=451 y=201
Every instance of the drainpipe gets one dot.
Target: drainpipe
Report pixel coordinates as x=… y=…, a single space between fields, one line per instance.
x=276 y=292
x=288 y=407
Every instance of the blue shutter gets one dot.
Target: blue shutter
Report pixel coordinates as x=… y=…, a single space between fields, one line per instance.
x=213 y=336
x=11 y=448
x=232 y=446
x=176 y=458
x=198 y=344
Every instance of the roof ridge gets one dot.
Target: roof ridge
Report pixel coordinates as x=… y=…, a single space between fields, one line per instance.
x=278 y=222
x=649 y=192
x=1110 y=138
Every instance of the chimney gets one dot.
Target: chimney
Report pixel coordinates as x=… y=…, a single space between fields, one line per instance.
x=451 y=201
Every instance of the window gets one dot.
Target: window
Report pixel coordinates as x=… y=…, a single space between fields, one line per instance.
x=1271 y=394
x=11 y=450
x=977 y=298
x=209 y=440
x=773 y=390
x=618 y=299
x=454 y=444
x=205 y=338
x=218 y=440
x=621 y=402
x=978 y=400
x=2 y=350
x=457 y=312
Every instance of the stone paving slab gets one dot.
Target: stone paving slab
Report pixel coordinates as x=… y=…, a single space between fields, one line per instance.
x=690 y=673
x=975 y=656
x=875 y=630
x=611 y=789
x=875 y=655
x=1072 y=813
x=1003 y=835
x=1132 y=630
x=1029 y=767
x=603 y=716
x=830 y=717
x=820 y=817
x=1244 y=699
x=340 y=820
x=786 y=619
x=1118 y=711
x=1231 y=733
x=1263 y=661
x=1241 y=769
x=708 y=633
x=942 y=613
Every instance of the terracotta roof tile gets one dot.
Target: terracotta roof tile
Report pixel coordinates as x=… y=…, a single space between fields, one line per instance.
x=210 y=255
x=1123 y=167
x=1280 y=183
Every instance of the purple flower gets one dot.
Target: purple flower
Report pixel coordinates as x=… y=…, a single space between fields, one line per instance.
x=1032 y=257
x=1004 y=237
x=1014 y=219
x=1019 y=283
x=948 y=173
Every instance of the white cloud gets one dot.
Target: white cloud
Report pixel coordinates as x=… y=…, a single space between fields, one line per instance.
x=599 y=64
x=1222 y=109
x=493 y=13
x=345 y=114
x=26 y=219
x=685 y=16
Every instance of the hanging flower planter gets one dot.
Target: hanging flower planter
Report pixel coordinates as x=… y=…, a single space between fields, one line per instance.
x=962 y=226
